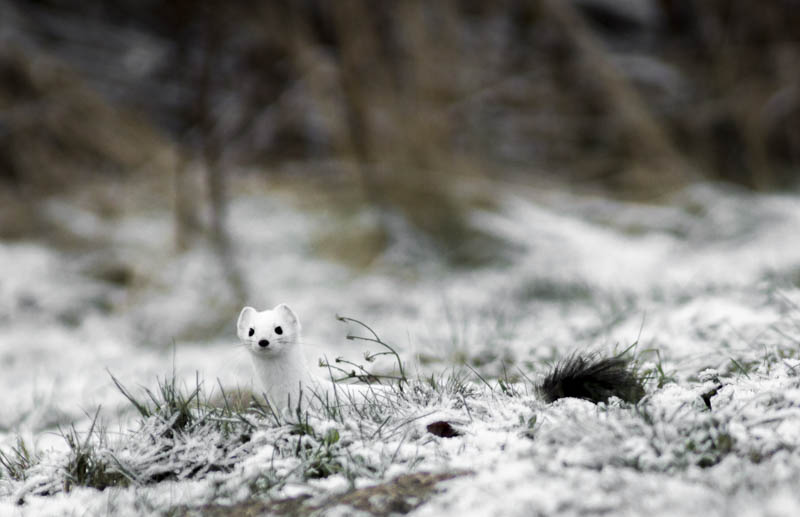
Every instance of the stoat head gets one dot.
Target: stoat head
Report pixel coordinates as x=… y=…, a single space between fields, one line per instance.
x=269 y=332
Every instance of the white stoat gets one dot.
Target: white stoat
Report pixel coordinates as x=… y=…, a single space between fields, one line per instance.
x=273 y=339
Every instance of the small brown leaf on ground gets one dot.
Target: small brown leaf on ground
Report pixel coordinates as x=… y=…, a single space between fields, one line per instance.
x=443 y=429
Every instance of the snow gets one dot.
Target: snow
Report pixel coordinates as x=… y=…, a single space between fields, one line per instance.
x=707 y=279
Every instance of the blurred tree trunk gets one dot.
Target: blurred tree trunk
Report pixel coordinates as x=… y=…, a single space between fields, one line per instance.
x=357 y=61
x=653 y=164
x=211 y=152
x=202 y=77
x=188 y=223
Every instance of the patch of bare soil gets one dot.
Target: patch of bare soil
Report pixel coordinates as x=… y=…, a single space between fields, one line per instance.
x=400 y=495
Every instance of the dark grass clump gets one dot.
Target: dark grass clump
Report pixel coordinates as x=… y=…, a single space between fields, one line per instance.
x=16 y=463
x=593 y=378
x=169 y=403
x=87 y=466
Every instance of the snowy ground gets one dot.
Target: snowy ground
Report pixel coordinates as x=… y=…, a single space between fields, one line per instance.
x=706 y=286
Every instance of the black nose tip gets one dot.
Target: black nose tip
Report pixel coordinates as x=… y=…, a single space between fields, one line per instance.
x=263 y=343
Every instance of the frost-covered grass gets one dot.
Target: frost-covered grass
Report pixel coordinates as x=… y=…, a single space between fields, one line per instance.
x=705 y=286
x=726 y=440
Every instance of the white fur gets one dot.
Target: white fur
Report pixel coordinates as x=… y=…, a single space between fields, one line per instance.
x=280 y=366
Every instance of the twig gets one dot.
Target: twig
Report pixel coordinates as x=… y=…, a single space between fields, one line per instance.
x=375 y=339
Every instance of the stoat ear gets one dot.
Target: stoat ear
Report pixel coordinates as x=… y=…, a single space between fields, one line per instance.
x=287 y=315
x=243 y=324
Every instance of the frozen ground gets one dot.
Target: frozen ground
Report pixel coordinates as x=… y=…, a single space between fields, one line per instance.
x=706 y=286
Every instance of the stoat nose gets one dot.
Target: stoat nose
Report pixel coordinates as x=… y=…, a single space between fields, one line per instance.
x=263 y=343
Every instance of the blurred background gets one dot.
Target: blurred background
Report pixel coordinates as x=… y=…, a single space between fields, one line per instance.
x=396 y=103
x=606 y=92
x=486 y=182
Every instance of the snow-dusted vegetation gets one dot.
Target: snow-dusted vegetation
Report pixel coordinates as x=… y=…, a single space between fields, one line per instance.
x=136 y=399
x=554 y=243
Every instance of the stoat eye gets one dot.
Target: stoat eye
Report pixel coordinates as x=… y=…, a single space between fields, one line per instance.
x=252 y=331
x=278 y=330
